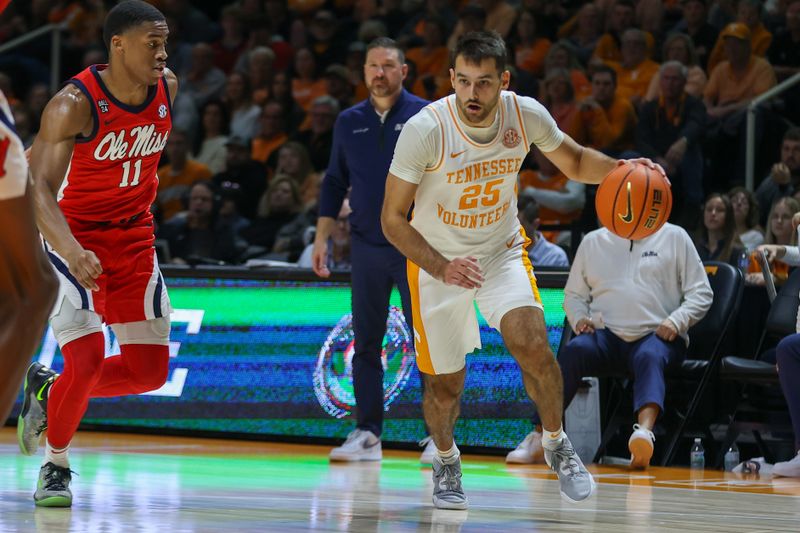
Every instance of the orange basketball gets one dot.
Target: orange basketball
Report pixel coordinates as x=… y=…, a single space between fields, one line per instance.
x=633 y=201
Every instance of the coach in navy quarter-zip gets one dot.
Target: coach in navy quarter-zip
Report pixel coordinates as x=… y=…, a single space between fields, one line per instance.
x=364 y=138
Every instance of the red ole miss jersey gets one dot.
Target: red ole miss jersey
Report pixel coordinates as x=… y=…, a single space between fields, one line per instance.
x=112 y=174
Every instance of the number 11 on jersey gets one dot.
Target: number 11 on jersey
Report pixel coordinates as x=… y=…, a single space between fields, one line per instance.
x=126 y=171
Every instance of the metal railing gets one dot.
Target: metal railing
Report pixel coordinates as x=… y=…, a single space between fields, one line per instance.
x=55 y=49
x=751 y=125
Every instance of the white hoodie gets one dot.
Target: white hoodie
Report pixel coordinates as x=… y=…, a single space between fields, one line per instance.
x=635 y=285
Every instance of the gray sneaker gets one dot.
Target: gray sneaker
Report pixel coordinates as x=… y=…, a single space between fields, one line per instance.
x=32 y=420
x=447 y=490
x=576 y=483
x=52 y=490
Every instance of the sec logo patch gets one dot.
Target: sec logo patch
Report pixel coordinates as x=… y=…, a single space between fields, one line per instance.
x=511 y=138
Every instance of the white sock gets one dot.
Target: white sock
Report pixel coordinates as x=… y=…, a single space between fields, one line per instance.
x=551 y=439
x=450 y=455
x=57 y=456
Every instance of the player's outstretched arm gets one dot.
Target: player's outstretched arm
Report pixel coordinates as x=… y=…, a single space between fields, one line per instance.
x=66 y=115
x=462 y=271
x=581 y=163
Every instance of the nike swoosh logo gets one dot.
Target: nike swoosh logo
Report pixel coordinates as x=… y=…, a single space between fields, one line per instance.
x=456 y=154
x=107 y=122
x=367 y=446
x=628 y=218
x=510 y=243
x=41 y=390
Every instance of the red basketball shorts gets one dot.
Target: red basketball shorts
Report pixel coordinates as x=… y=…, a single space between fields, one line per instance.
x=131 y=286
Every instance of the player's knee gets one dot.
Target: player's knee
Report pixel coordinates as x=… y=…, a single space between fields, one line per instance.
x=535 y=354
x=146 y=344
x=154 y=375
x=154 y=331
x=70 y=323
x=443 y=390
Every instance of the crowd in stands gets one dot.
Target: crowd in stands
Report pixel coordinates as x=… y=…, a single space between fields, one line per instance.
x=262 y=82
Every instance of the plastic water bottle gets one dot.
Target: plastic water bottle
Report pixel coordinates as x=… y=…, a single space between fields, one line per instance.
x=731 y=458
x=697 y=459
x=744 y=262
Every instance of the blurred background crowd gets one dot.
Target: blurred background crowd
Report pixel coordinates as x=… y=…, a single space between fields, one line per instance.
x=262 y=82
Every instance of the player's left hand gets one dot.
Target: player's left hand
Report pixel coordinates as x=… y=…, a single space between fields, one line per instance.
x=464 y=272
x=667 y=331
x=649 y=164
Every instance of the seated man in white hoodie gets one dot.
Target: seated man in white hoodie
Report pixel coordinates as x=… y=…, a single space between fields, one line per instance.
x=630 y=304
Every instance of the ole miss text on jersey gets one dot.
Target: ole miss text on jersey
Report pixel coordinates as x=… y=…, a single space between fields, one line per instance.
x=112 y=173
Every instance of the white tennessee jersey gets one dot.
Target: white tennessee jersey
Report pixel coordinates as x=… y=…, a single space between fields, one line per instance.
x=13 y=165
x=466 y=202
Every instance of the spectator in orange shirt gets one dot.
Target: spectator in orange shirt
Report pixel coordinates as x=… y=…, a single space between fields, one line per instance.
x=608 y=119
x=432 y=58
x=306 y=86
x=559 y=99
x=562 y=55
x=530 y=49
x=272 y=133
x=620 y=19
x=733 y=84
x=175 y=178
x=738 y=80
x=635 y=70
x=749 y=14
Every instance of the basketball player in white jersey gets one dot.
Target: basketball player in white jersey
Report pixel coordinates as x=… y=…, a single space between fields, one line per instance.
x=457 y=160
x=28 y=285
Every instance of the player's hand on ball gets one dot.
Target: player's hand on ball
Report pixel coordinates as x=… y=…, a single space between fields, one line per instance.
x=464 y=272
x=583 y=326
x=667 y=331
x=85 y=267
x=649 y=164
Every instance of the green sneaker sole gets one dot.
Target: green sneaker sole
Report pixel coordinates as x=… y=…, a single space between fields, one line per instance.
x=54 y=501
x=21 y=421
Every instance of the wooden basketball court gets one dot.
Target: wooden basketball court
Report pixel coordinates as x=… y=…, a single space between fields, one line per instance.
x=167 y=484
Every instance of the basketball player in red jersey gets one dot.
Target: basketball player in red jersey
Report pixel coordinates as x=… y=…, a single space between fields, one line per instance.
x=97 y=151
x=27 y=283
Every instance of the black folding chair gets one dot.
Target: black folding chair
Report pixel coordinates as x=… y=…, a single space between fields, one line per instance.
x=706 y=340
x=757 y=410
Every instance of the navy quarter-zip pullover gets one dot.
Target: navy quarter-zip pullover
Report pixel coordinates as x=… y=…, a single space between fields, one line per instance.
x=362 y=152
